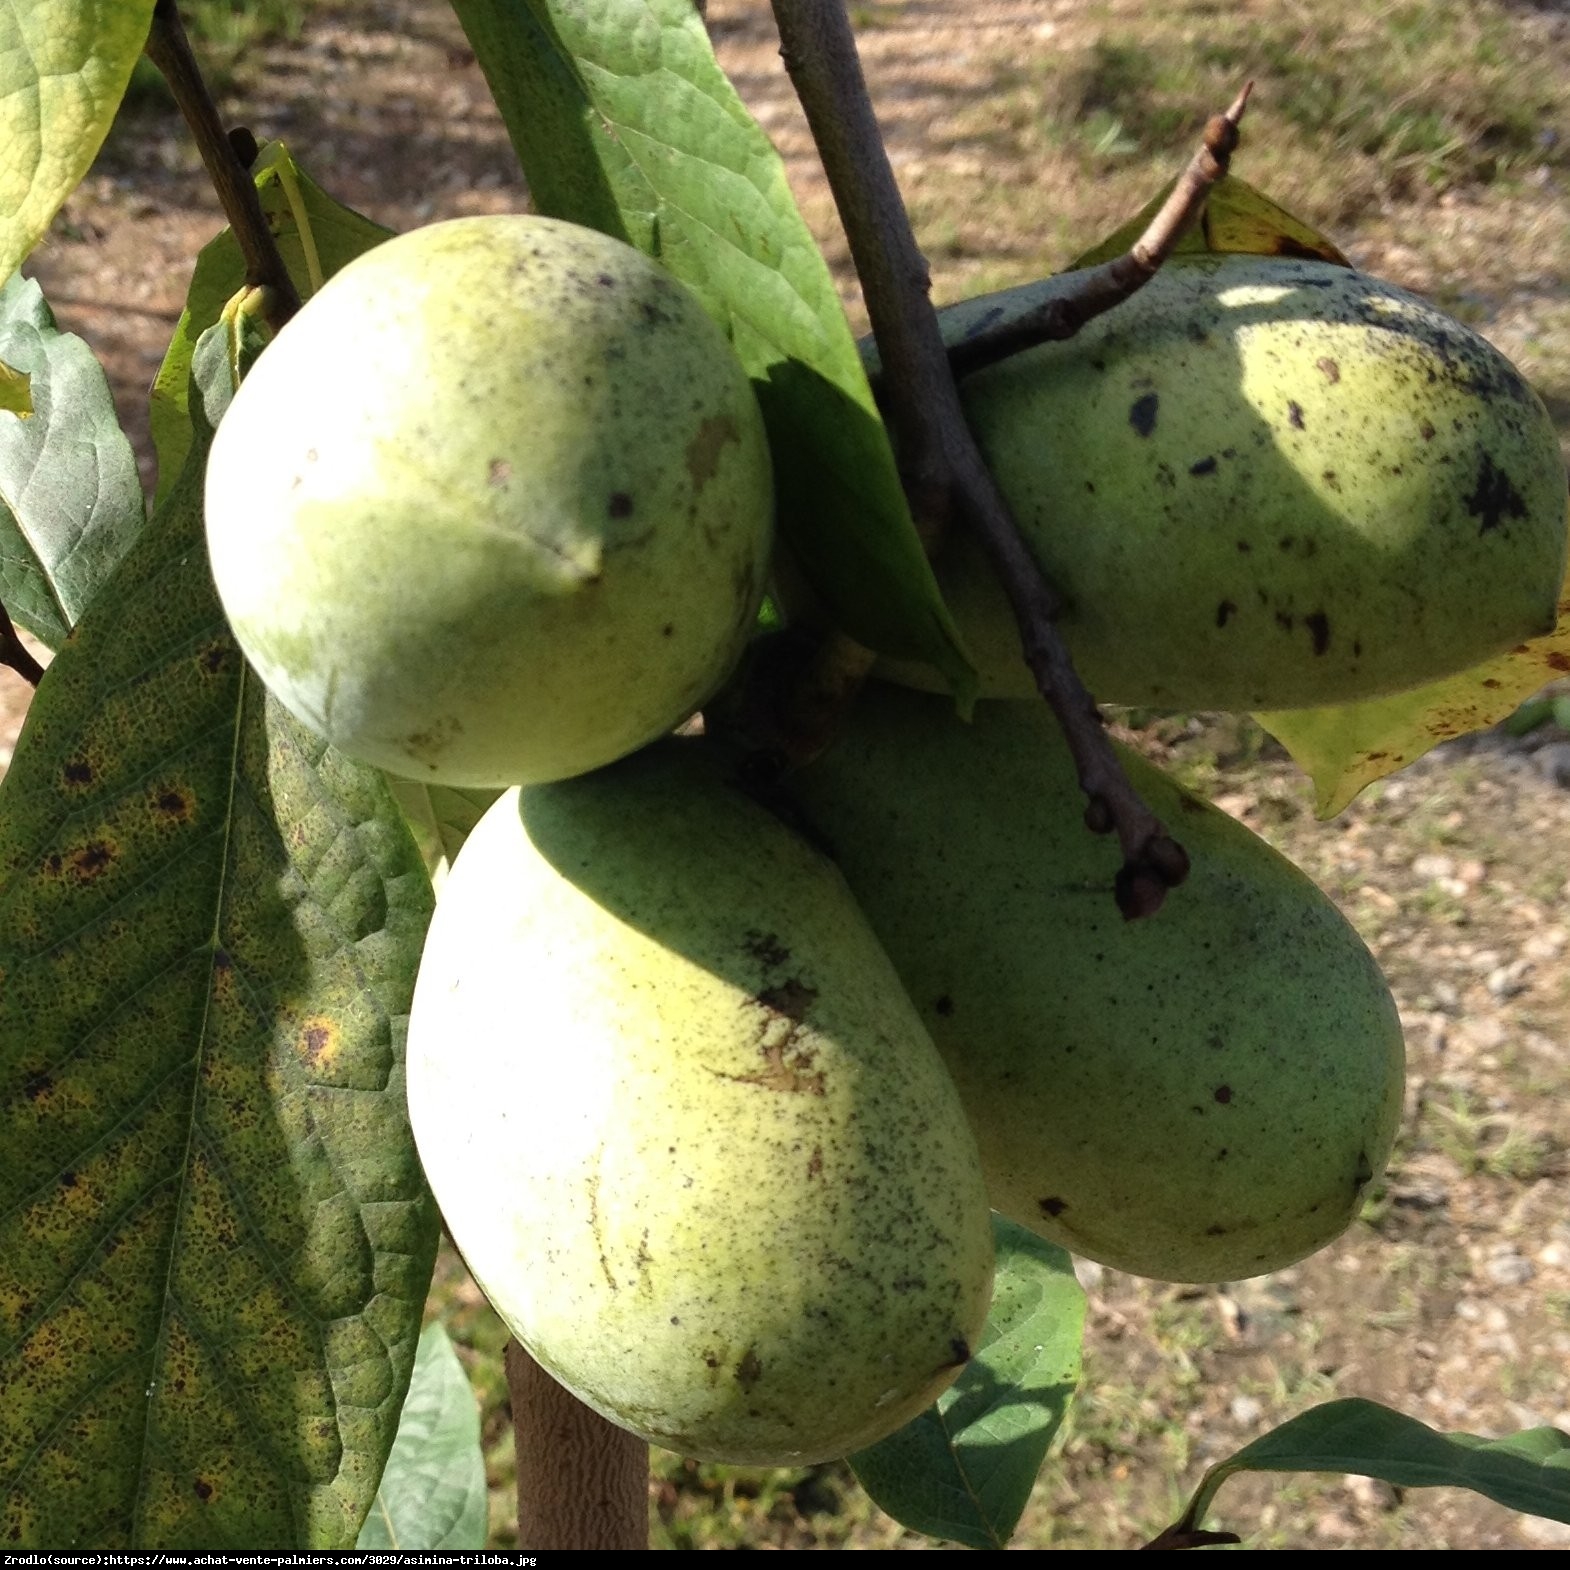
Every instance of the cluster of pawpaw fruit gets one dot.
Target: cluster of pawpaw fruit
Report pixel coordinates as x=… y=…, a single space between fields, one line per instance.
x=716 y=1093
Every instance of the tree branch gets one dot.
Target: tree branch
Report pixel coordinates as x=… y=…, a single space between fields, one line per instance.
x=170 y=50
x=1100 y=288
x=943 y=471
x=15 y=653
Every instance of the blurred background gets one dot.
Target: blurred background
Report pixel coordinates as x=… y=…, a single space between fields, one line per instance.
x=1431 y=140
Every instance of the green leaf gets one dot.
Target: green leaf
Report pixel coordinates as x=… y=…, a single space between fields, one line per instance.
x=63 y=69
x=623 y=120
x=333 y=234
x=964 y=1469
x=1529 y=1471
x=433 y=1492
x=440 y=817
x=1346 y=748
x=215 y=1240
x=70 y=497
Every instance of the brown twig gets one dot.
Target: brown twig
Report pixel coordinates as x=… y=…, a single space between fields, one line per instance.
x=15 y=653
x=1098 y=289
x=943 y=471
x=170 y=50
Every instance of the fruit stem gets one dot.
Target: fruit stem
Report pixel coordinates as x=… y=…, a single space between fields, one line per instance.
x=582 y=1481
x=1098 y=289
x=14 y=652
x=943 y=472
x=169 y=49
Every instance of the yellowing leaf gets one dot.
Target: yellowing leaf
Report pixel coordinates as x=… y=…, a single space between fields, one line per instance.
x=1347 y=748
x=16 y=391
x=1237 y=220
x=63 y=69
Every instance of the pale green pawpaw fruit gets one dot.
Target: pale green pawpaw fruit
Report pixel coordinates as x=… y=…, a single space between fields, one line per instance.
x=684 y=1124
x=1199 y=1095
x=495 y=507
x=1264 y=484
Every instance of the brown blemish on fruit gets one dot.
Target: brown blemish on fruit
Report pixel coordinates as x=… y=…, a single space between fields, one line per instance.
x=815 y=1165
x=1494 y=497
x=1318 y=625
x=78 y=771
x=1052 y=1206
x=1556 y=661
x=499 y=472
x=1294 y=414
x=204 y=1489
x=749 y=1370
x=1332 y=479
x=1331 y=370
x=766 y=948
x=1224 y=612
x=1284 y=621
x=37 y=1085
x=620 y=505
x=1215 y=1230
x=703 y=451
x=1426 y=430
x=1142 y=413
x=1223 y=1094
x=787 y=1064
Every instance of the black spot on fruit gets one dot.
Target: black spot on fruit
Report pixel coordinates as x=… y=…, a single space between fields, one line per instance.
x=1494 y=497
x=960 y=1348
x=749 y=1370
x=37 y=1085
x=1295 y=414
x=1142 y=413
x=620 y=505
x=78 y=771
x=1052 y=1206
x=1224 y=612
x=1204 y=466
x=1223 y=1094
x=944 y=1006
x=766 y=948
x=1318 y=625
x=204 y=1489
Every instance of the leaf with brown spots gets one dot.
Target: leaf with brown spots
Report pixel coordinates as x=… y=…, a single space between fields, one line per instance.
x=208 y=940
x=1346 y=748
x=964 y=1469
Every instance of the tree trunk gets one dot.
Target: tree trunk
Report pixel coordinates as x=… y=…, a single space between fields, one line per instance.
x=582 y=1481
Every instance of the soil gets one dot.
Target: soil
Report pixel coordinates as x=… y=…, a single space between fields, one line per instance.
x=1451 y=1298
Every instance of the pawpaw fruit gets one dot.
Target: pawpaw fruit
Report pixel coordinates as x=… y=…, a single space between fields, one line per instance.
x=684 y=1124
x=496 y=506
x=1200 y=1095
x=1262 y=484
